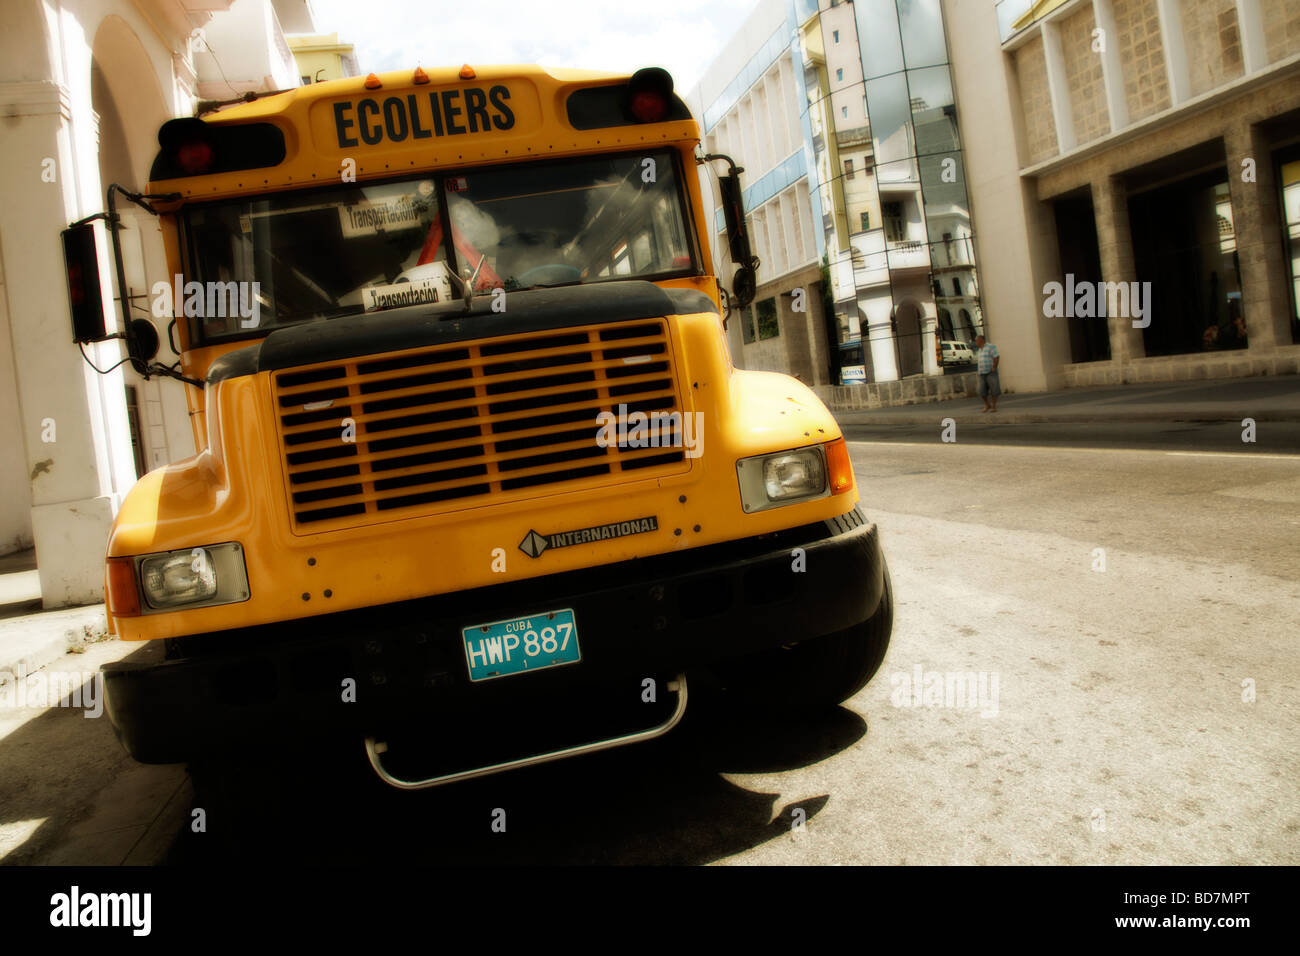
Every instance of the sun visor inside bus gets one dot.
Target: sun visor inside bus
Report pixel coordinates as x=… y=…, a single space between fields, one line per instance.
x=600 y=107
x=191 y=147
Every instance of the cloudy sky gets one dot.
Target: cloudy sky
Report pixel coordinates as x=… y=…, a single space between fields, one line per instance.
x=683 y=36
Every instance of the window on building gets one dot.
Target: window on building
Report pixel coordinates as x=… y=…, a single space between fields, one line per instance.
x=747 y=324
x=956 y=286
x=844 y=111
x=848 y=169
x=306 y=80
x=945 y=326
x=895 y=225
x=836 y=35
x=866 y=221
x=839 y=75
x=765 y=312
x=947 y=245
x=1203 y=276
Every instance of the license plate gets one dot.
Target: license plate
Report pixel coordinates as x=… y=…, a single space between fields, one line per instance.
x=520 y=644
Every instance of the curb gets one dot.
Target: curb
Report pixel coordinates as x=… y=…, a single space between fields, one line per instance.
x=29 y=643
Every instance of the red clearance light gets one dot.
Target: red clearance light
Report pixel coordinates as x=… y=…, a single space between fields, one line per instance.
x=420 y=76
x=372 y=82
x=649 y=106
x=191 y=147
x=650 y=93
x=467 y=72
x=195 y=156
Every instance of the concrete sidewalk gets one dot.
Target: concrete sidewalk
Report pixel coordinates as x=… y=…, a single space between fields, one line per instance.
x=1265 y=399
x=31 y=641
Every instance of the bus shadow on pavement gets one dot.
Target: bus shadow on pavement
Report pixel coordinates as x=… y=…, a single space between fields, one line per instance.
x=662 y=802
x=69 y=794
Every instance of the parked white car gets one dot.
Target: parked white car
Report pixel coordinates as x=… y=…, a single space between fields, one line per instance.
x=955 y=353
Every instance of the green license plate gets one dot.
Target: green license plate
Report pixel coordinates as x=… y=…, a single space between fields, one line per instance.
x=520 y=644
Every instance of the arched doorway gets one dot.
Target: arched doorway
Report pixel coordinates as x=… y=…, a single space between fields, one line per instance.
x=128 y=98
x=126 y=94
x=907 y=337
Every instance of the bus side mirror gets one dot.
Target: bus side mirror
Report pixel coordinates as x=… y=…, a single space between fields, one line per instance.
x=142 y=344
x=744 y=284
x=88 y=325
x=82 y=261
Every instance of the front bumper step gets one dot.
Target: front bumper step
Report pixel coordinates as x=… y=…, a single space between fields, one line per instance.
x=375 y=749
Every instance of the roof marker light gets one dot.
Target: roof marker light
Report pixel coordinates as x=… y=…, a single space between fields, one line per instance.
x=372 y=82
x=420 y=76
x=467 y=72
x=195 y=156
x=649 y=95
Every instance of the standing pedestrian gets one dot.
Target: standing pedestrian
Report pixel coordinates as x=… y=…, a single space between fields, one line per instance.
x=987 y=369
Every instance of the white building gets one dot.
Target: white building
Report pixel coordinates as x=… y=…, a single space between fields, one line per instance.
x=875 y=183
x=84 y=87
x=748 y=103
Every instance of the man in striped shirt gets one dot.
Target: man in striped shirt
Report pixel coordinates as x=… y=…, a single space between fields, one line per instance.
x=987 y=368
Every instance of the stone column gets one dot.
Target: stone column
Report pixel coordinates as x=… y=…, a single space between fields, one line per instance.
x=1115 y=246
x=929 y=340
x=76 y=442
x=879 y=337
x=1257 y=224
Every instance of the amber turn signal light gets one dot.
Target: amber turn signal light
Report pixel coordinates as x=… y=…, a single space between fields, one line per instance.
x=467 y=72
x=123 y=595
x=838 y=466
x=420 y=76
x=373 y=82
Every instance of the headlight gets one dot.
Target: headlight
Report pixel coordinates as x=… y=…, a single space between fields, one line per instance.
x=194 y=577
x=768 y=481
x=178 y=578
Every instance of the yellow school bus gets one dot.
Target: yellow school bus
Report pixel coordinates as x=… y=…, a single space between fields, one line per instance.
x=478 y=485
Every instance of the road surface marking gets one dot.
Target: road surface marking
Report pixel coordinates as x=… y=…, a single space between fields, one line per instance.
x=1231 y=454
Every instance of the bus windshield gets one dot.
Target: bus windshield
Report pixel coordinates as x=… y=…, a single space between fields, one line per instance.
x=329 y=252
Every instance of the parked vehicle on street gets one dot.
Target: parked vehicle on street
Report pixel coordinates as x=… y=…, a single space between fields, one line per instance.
x=952 y=352
x=478 y=485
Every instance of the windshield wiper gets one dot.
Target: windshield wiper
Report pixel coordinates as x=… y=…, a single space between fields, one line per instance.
x=550 y=285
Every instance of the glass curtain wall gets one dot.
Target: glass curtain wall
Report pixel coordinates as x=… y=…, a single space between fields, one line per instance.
x=898 y=232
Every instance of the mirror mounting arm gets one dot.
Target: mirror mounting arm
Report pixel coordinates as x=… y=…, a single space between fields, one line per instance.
x=744 y=283
x=732 y=168
x=139 y=361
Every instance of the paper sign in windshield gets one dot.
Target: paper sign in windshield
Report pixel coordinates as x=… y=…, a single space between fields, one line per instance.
x=387 y=215
x=416 y=292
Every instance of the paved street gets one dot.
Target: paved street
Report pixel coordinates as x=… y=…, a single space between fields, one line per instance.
x=1111 y=728
x=69 y=794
